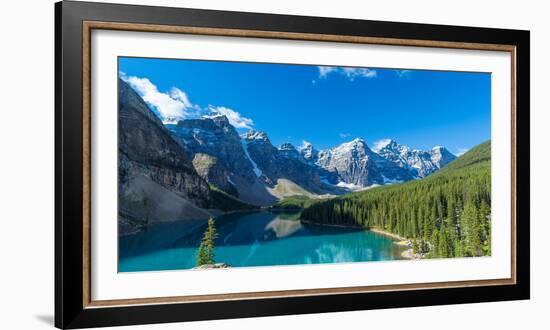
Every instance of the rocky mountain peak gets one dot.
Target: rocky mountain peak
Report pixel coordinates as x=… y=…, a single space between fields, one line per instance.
x=289 y=151
x=441 y=156
x=256 y=136
x=439 y=150
x=218 y=123
x=356 y=146
x=220 y=120
x=308 y=152
x=389 y=145
x=358 y=141
x=420 y=163
x=287 y=147
x=383 y=144
x=358 y=166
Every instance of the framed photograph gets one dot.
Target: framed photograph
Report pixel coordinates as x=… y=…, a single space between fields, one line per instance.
x=216 y=164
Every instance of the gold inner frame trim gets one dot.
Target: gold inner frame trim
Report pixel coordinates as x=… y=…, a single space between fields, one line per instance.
x=88 y=26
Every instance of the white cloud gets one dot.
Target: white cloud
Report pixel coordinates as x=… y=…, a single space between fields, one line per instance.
x=235 y=118
x=178 y=94
x=170 y=107
x=344 y=135
x=403 y=73
x=350 y=73
x=325 y=70
x=175 y=105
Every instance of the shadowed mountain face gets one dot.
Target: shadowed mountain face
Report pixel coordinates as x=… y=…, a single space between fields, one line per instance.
x=153 y=168
x=217 y=153
x=220 y=158
x=217 y=138
x=282 y=163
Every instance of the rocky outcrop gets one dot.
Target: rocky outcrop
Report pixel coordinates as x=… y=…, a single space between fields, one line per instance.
x=152 y=164
x=209 y=168
x=213 y=266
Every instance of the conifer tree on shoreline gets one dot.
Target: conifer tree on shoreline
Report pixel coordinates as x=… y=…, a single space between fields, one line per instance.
x=206 y=249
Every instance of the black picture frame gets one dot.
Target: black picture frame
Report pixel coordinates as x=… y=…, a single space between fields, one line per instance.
x=70 y=310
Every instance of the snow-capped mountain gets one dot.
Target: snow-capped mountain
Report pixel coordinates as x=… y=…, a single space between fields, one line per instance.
x=308 y=152
x=419 y=162
x=284 y=162
x=219 y=156
x=441 y=156
x=249 y=167
x=289 y=151
x=358 y=166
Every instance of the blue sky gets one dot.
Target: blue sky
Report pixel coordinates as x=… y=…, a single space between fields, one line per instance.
x=323 y=105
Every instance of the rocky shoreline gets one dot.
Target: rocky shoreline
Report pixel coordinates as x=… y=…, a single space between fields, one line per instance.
x=212 y=266
x=401 y=241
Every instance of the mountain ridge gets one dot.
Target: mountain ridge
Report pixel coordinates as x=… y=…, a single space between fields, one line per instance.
x=252 y=160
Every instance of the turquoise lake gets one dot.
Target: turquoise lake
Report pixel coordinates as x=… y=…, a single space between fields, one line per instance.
x=253 y=239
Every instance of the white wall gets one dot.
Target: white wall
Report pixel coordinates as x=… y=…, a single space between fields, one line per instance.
x=26 y=165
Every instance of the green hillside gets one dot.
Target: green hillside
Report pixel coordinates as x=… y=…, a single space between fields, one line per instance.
x=296 y=202
x=223 y=201
x=446 y=214
x=481 y=154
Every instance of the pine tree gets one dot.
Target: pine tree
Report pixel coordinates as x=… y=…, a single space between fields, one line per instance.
x=435 y=243
x=443 y=247
x=206 y=249
x=485 y=224
x=469 y=225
